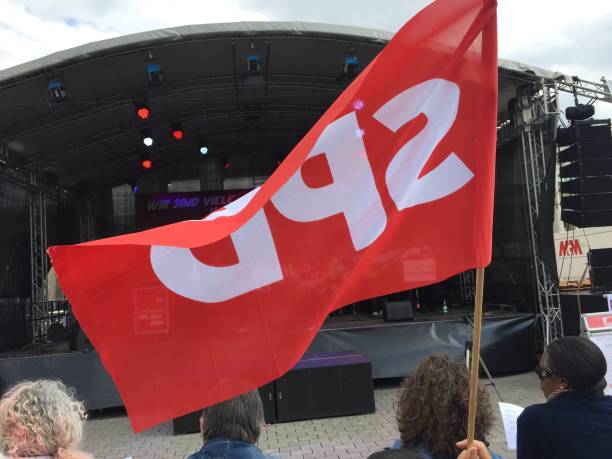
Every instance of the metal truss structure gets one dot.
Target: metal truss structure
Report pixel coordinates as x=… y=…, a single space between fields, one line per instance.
x=37 y=202
x=535 y=122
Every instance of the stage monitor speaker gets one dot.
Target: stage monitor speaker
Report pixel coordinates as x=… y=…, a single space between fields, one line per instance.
x=587 y=202
x=599 y=258
x=584 y=131
x=587 y=168
x=587 y=185
x=601 y=278
x=396 y=311
x=324 y=385
x=586 y=151
x=570 y=311
x=587 y=219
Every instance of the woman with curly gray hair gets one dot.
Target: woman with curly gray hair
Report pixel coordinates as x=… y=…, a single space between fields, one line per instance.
x=41 y=419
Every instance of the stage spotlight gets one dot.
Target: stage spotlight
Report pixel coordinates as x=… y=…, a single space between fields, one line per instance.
x=226 y=164
x=143 y=112
x=154 y=74
x=134 y=186
x=147 y=139
x=57 y=90
x=145 y=161
x=351 y=66
x=579 y=112
x=177 y=131
x=203 y=150
x=253 y=64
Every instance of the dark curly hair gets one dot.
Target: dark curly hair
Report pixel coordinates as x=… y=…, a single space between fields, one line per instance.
x=433 y=407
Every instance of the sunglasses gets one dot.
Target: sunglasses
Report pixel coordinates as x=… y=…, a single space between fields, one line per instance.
x=543 y=373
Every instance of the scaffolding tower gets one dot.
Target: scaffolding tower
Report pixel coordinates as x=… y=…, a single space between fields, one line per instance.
x=536 y=119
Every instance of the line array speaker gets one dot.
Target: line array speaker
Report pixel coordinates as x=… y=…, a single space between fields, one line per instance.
x=587 y=185
x=588 y=150
x=587 y=219
x=587 y=202
x=587 y=168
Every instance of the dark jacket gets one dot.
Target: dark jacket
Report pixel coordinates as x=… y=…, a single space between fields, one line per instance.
x=569 y=426
x=226 y=448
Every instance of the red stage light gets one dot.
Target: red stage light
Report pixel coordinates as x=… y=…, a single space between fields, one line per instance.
x=177 y=134
x=147 y=163
x=227 y=165
x=143 y=113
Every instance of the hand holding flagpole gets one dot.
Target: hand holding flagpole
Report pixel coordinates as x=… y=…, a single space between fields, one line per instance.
x=475 y=356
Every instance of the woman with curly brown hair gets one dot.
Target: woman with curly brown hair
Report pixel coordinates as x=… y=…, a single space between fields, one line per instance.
x=432 y=410
x=41 y=419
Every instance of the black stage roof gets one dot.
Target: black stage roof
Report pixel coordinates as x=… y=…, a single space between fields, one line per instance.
x=93 y=137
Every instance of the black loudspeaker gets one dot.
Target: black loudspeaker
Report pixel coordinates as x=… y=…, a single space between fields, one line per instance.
x=323 y=385
x=587 y=185
x=587 y=219
x=395 y=311
x=601 y=278
x=599 y=258
x=570 y=312
x=587 y=168
x=584 y=131
x=190 y=423
x=586 y=151
x=580 y=202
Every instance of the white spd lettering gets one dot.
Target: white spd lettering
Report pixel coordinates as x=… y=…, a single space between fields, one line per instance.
x=361 y=205
x=181 y=272
x=348 y=163
x=438 y=100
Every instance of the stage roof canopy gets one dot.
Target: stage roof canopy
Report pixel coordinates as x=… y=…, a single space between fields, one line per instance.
x=94 y=137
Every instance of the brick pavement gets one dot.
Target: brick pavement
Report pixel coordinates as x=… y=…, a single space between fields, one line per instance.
x=110 y=437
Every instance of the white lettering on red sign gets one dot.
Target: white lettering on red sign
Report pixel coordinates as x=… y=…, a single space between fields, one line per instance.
x=361 y=207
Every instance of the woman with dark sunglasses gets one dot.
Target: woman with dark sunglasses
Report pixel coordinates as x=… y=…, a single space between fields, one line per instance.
x=576 y=420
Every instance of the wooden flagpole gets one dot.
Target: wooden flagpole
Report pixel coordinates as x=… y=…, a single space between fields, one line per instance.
x=475 y=356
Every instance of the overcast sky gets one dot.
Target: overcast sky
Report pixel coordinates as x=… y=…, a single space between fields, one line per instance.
x=568 y=36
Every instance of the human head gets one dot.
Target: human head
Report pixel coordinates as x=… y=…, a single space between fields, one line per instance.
x=433 y=406
x=239 y=418
x=572 y=363
x=41 y=418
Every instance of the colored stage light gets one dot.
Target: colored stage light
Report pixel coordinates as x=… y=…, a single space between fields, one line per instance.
x=145 y=161
x=226 y=164
x=154 y=74
x=143 y=113
x=351 y=66
x=57 y=90
x=177 y=131
x=147 y=139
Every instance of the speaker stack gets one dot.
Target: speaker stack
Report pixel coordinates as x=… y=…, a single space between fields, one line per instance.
x=586 y=173
x=600 y=263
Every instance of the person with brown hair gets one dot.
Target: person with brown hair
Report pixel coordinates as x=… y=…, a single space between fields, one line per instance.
x=432 y=410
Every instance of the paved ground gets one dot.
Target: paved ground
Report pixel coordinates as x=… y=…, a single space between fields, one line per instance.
x=340 y=438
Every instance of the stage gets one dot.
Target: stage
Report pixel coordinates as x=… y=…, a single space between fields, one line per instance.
x=508 y=346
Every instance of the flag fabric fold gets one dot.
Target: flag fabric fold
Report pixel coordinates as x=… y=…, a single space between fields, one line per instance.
x=390 y=190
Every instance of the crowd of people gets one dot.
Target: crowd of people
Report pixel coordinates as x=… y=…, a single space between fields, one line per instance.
x=43 y=419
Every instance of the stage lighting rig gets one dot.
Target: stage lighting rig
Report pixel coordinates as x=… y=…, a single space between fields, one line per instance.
x=145 y=161
x=147 y=139
x=155 y=74
x=253 y=64
x=177 y=131
x=143 y=111
x=56 y=90
x=351 y=66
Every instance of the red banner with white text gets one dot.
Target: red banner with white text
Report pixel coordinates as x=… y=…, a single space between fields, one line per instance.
x=391 y=189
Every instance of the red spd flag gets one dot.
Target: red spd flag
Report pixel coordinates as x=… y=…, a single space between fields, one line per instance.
x=390 y=190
